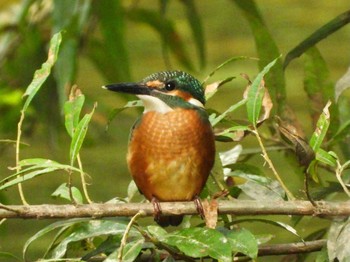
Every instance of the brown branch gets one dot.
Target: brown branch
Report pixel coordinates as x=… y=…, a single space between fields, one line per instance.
x=292 y=248
x=264 y=250
x=236 y=207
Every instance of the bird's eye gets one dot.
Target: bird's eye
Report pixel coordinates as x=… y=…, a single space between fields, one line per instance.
x=169 y=86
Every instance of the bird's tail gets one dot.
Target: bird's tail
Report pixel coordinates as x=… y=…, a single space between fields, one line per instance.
x=173 y=220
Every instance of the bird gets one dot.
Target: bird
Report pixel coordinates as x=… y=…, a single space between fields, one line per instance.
x=171 y=147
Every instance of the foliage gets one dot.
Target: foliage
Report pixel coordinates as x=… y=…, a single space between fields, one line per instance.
x=325 y=154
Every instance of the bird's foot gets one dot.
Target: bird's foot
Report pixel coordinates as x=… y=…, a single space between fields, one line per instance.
x=198 y=202
x=157 y=211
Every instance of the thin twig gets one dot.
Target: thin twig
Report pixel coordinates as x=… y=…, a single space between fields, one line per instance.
x=307 y=177
x=338 y=174
x=269 y=162
x=69 y=185
x=18 y=168
x=292 y=248
x=8 y=208
x=126 y=233
x=83 y=181
x=2 y=221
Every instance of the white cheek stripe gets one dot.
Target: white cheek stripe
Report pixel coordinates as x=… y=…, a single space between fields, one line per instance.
x=152 y=103
x=195 y=102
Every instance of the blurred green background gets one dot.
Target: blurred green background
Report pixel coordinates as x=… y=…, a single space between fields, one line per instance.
x=226 y=34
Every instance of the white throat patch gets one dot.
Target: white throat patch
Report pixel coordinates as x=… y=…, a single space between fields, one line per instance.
x=195 y=102
x=152 y=103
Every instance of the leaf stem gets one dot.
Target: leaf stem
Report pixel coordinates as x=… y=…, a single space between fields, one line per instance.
x=338 y=174
x=126 y=233
x=69 y=185
x=18 y=168
x=269 y=162
x=83 y=181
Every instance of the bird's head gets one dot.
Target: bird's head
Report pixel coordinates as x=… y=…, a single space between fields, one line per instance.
x=164 y=91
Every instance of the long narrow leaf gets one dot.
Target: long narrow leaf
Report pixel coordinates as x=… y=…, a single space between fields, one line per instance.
x=319 y=87
x=271 y=222
x=194 y=20
x=28 y=165
x=167 y=32
x=27 y=176
x=49 y=228
x=79 y=136
x=342 y=84
x=232 y=108
x=228 y=61
x=72 y=109
x=112 y=23
x=256 y=94
x=116 y=111
x=321 y=128
x=321 y=33
x=70 y=17
x=91 y=229
x=267 y=50
x=42 y=74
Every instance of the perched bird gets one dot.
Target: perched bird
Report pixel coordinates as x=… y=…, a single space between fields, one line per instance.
x=171 y=148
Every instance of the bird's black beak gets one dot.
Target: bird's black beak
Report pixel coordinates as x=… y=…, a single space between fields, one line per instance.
x=129 y=88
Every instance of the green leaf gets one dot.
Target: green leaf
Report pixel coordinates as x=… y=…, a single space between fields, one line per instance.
x=130 y=252
x=259 y=187
x=113 y=48
x=316 y=81
x=132 y=190
x=338 y=241
x=201 y=242
x=212 y=88
x=44 y=166
x=321 y=129
x=63 y=192
x=69 y=17
x=92 y=229
x=319 y=87
x=197 y=29
x=342 y=132
x=157 y=231
x=232 y=108
x=167 y=32
x=342 y=84
x=49 y=228
x=231 y=156
x=116 y=111
x=243 y=241
x=108 y=246
x=235 y=133
x=256 y=94
x=286 y=227
x=27 y=176
x=72 y=109
x=228 y=61
x=321 y=33
x=6 y=256
x=42 y=74
x=267 y=50
x=326 y=158
x=79 y=136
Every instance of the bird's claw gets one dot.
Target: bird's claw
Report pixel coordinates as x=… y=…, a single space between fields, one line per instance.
x=198 y=202
x=157 y=211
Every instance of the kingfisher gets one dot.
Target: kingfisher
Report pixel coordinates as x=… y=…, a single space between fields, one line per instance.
x=171 y=147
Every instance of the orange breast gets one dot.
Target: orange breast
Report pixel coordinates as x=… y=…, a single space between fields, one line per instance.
x=170 y=155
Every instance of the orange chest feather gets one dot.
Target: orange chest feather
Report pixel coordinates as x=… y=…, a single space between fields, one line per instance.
x=170 y=155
